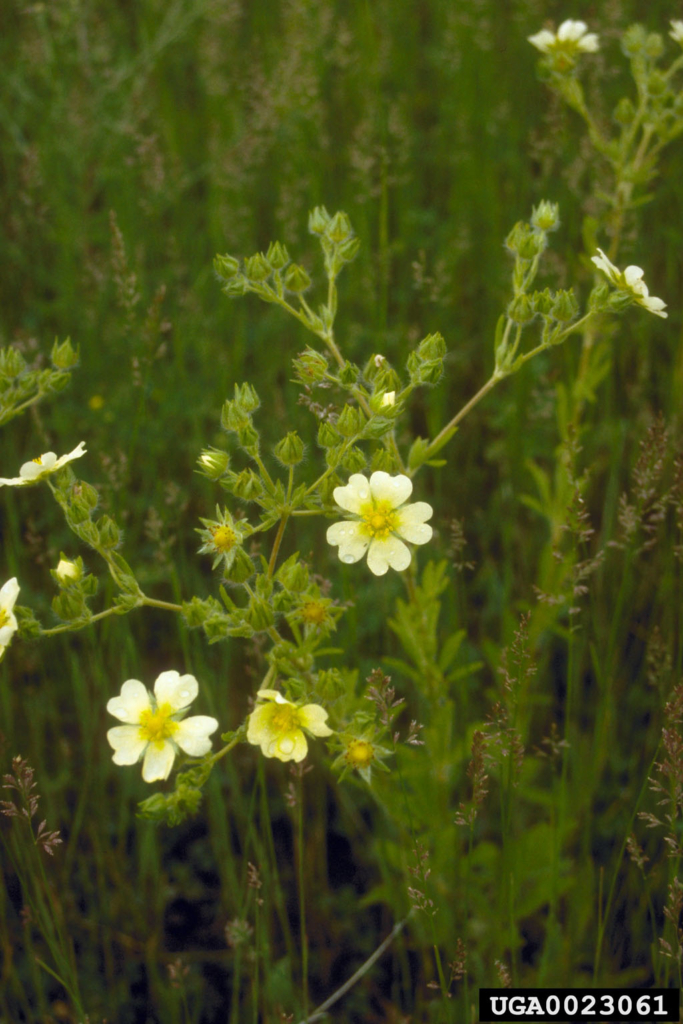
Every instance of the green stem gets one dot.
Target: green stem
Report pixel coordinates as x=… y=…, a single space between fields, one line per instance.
x=276 y=544
x=302 y=896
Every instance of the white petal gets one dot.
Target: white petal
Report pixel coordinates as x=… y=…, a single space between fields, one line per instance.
x=418 y=512
x=176 y=690
x=8 y=594
x=390 y=552
x=13 y=481
x=542 y=40
x=416 y=533
x=607 y=266
x=654 y=305
x=127 y=743
x=354 y=495
x=571 y=30
x=158 y=762
x=633 y=276
x=677 y=31
x=392 y=489
x=314 y=718
x=8 y=630
x=75 y=454
x=192 y=734
x=32 y=470
x=353 y=543
x=132 y=701
x=590 y=43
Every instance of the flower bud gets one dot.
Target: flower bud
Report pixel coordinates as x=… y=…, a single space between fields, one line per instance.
x=318 y=220
x=432 y=347
x=349 y=373
x=543 y=301
x=69 y=606
x=565 y=307
x=12 y=363
x=327 y=435
x=110 y=534
x=310 y=366
x=296 y=279
x=248 y=436
x=339 y=228
x=521 y=310
x=233 y=416
x=654 y=45
x=546 y=216
x=245 y=485
x=247 y=397
x=63 y=355
x=349 y=421
x=354 y=460
x=633 y=40
x=257 y=268
x=226 y=266
x=388 y=399
x=68 y=572
x=277 y=255
x=624 y=112
x=385 y=460
x=259 y=614
x=236 y=286
x=213 y=462
x=241 y=567
x=656 y=83
x=348 y=249
x=290 y=450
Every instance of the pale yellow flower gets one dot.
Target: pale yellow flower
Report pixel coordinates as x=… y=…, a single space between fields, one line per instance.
x=44 y=465
x=8 y=623
x=571 y=37
x=676 y=32
x=68 y=571
x=631 y=280
x=277 y=726
x=155 y=726
x=381 y=521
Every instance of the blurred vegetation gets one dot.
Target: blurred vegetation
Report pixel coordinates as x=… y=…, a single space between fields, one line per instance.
x=139 y=139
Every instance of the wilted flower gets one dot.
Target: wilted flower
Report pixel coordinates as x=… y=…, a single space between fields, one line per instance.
x=155 y=727
x=44 y=465
x=277 y=726
x=222 y=537
x=382 y=521
x=8 y=623
x=631 y=280
x=676 y=32
x=570 y=38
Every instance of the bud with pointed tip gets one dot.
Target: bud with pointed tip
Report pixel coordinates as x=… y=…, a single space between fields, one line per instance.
x=296 y=279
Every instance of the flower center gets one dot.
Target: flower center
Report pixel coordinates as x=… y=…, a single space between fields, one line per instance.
x=285 y=718
x=4 y=618
x=224 y=538
x=379 y=519
x=38 y=461
x=360 y=753
x=157 y=726
x=314 y=612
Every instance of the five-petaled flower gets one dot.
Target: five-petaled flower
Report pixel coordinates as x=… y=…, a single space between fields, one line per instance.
x=381 y=521
x=277 y=726
x=155 y=726
x=631 y=280
x=570 y=38
x=44 y=465
x=8 y=623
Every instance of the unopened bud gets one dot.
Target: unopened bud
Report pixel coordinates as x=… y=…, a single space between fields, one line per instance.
x=354 y=460
x=257 y=268
x=290 y=450
x=310 y=366
x=339 y=228
x=521 y=310
x=296 y=279
x=546 y=216
x=277 y=255
x=318 y=219
x=63 y=355
x=213 y=462
x=68 y=572
x=349 y=421
x=226 y=266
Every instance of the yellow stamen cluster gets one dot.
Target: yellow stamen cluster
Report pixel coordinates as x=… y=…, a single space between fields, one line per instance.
x=359 y=753
x=38 y=461
x=224 y=538
x=284 y=718
x=4 y=618
x=314 y=613
x=157 y=726
x=379 y=519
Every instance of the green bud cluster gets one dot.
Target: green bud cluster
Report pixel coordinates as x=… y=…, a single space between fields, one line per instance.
x=425 y=363
x=22 y=386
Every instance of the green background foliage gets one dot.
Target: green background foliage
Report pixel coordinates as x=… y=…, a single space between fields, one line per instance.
x=139 y=139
